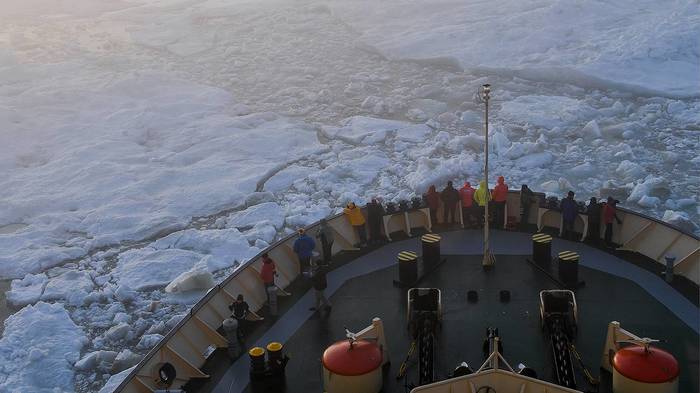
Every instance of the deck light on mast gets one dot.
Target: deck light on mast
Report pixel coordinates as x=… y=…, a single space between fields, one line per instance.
x=484 y=95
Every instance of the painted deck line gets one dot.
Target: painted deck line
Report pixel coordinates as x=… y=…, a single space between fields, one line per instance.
x=468 y=242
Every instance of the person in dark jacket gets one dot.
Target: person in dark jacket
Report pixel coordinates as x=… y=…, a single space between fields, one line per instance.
x=593 y=212
x=450 y=198
x=304 y=247
x=610 y=214
x=432 y=198
x=375 y=211
x=319 y=282
x=326 y=237
x=527 y=197
x=239 y=311
x=569 y=211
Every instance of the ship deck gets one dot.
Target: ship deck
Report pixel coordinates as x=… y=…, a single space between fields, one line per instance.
x=361 y=287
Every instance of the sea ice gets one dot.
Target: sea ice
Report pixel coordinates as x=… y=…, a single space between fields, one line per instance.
x=72 y=286
x=40 y=340
x=269 y=211
x=26 y=291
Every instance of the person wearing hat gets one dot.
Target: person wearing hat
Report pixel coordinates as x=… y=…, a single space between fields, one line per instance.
x=450 y=198
x=466 y=194
x=319 y=282
x=481 y=196
x=432 y=199
x=569 y=211
x=304 y=247
x=526 y=199
x=268 y=272
x=500 y=195
x=610 y=214
x=593 y=211
x=375 y=211
x=357 y=220
x=239 y=311
x=326 y=236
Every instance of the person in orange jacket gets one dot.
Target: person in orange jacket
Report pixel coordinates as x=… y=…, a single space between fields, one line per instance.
x=466 y=194
x=357 y=220
x=499 y=195
x=433 y=200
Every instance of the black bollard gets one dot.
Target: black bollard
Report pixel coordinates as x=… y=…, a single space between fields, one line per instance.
x=408 y=267
x=431 y=251
x=257 y=363
x=275 y=361
x=568 y=268
x=542 y=249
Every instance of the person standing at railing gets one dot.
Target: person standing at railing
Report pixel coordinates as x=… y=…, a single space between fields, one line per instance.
x=357 y=220
x=500 y=194
x=450 y=198
x=326 y=236
x=610 y=214
x=304 y=247
x=593 y=213
x=526 y=199
x=569 y=211
x=466 y=194
x=432 y=198
x=268 y=272
x=375 y=211
x=481 y=196
x=239 y=311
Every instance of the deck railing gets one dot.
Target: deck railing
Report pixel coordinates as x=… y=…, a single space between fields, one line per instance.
x=189 y=343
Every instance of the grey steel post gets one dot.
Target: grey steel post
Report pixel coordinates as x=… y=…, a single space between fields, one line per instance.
x=231 y=329
x=272 y=296
x=489 y=260
x=670 y=259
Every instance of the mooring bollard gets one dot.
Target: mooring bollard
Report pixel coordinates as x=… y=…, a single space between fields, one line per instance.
x=542 y=249
x=568 y=268
x=431 y=250
x=408 y=267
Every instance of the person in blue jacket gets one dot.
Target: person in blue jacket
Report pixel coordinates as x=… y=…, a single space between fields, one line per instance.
x=304 y=247
x=569 y=211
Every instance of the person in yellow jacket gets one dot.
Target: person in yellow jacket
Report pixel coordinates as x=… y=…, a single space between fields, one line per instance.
x=357 y=220
x=482 y=195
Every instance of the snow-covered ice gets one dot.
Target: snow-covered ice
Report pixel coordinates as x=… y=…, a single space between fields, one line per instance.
x=38 y=349
x=645 y=46
x=135 y=158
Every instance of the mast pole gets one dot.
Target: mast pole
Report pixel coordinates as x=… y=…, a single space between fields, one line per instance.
x=489 y=260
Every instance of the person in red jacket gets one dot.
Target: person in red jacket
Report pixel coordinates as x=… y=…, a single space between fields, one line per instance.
x=466 y=194
x=433 y=200
x=499 y=195
x=268 y=273
x=610 y=214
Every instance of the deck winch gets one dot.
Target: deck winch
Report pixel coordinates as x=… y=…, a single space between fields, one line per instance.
x=424 y=319
x=558 y=315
